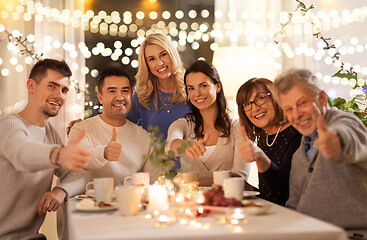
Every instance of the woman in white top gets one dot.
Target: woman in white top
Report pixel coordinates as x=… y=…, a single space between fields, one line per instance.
x=214 y=135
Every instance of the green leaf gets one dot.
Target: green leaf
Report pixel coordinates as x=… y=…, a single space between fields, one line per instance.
x=180 y=150
x=348 y=75
x=171 y=154
x=170 y=174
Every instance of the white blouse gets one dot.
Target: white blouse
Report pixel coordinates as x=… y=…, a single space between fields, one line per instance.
x=222 y=156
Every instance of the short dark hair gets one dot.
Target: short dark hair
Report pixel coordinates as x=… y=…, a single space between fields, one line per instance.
x=112 y=71
x=222 y=121
x=39 y=70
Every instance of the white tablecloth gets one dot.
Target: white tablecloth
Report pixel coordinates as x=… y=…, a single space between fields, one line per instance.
x=279 y=223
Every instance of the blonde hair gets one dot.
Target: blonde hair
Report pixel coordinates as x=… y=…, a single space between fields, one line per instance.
x=147 y=83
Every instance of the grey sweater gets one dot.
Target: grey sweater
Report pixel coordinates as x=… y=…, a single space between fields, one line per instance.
x=334 y=190
x=26 y=174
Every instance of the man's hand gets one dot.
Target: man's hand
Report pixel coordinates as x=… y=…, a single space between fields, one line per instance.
x=71 y=124
x=113 y=150
x=328 y=141
x=72 y=157
x=51 y=201
x=198 y=147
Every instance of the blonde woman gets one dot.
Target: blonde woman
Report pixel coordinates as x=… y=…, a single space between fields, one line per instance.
x=159 y=97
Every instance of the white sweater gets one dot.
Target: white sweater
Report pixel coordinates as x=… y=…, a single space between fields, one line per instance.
x=135 y=143
x=223 y=157
x=26 y=173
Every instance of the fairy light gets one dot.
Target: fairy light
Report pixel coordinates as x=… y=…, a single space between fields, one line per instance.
x=134 y=63
x=84 y=70
x=108 y=19
x=153 y=15
x=238 y=229
x=166 y=15
x=179 y=14
x=205 y=13
x=114 y=57
x=192 y=37
x=5 y=72
x=125 y=60
x=127 y=20
x=140 y=15
x=106 y=52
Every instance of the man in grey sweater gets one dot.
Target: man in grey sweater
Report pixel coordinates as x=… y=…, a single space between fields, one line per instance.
x=31 y=152
x=328 y=179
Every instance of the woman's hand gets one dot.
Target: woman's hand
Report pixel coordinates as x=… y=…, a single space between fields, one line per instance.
x=198 y=147
x=249 y=152
x=246 y=148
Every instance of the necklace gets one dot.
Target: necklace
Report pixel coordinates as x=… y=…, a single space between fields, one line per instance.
x=267 y=137
x=166 y=106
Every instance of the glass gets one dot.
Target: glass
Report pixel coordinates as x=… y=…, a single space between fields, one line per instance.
x=260 y=100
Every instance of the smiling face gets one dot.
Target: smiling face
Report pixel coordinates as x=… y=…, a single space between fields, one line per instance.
x=302 y=108
x=201 y=90
x=159 y=62
x=116 y=99
x=261 y=116
x=50 y=93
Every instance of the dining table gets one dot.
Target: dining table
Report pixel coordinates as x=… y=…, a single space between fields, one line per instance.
x=276 y=223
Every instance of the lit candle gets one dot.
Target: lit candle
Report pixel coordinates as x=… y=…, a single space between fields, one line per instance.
x=180 y=198
x=158 y=198
x=238 y=215
x=200 y=197
x=163 y=219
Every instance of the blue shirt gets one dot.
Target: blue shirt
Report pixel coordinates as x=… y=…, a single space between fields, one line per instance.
x=308 y=144
x=169 y=112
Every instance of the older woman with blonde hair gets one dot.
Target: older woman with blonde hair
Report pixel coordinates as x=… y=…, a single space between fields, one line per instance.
x=159 y=97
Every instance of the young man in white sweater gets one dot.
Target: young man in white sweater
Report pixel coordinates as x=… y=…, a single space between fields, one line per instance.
x=31 y=152
x=117 y=145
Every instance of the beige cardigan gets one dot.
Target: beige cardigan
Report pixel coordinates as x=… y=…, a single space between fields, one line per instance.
x=224 y=156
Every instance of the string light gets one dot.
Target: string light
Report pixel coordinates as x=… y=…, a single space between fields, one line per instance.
x=121 y=24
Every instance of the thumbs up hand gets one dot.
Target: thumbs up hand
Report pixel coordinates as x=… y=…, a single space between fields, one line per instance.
x=72 y=157
x=328 y=141
x=246 y=148
x=248 y=151
x=113 y=150
x=198 y=147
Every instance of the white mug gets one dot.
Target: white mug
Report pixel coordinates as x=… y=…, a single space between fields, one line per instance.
x=103 y=189
x=219 y=176
x=233 y=187
x=128 y=199
x=139 y=178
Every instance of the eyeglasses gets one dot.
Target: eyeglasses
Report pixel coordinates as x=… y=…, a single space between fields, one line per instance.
x=260 y=100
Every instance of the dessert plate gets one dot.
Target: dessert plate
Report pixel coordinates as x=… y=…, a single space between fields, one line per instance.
x=250 y=193
x=95 y=208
